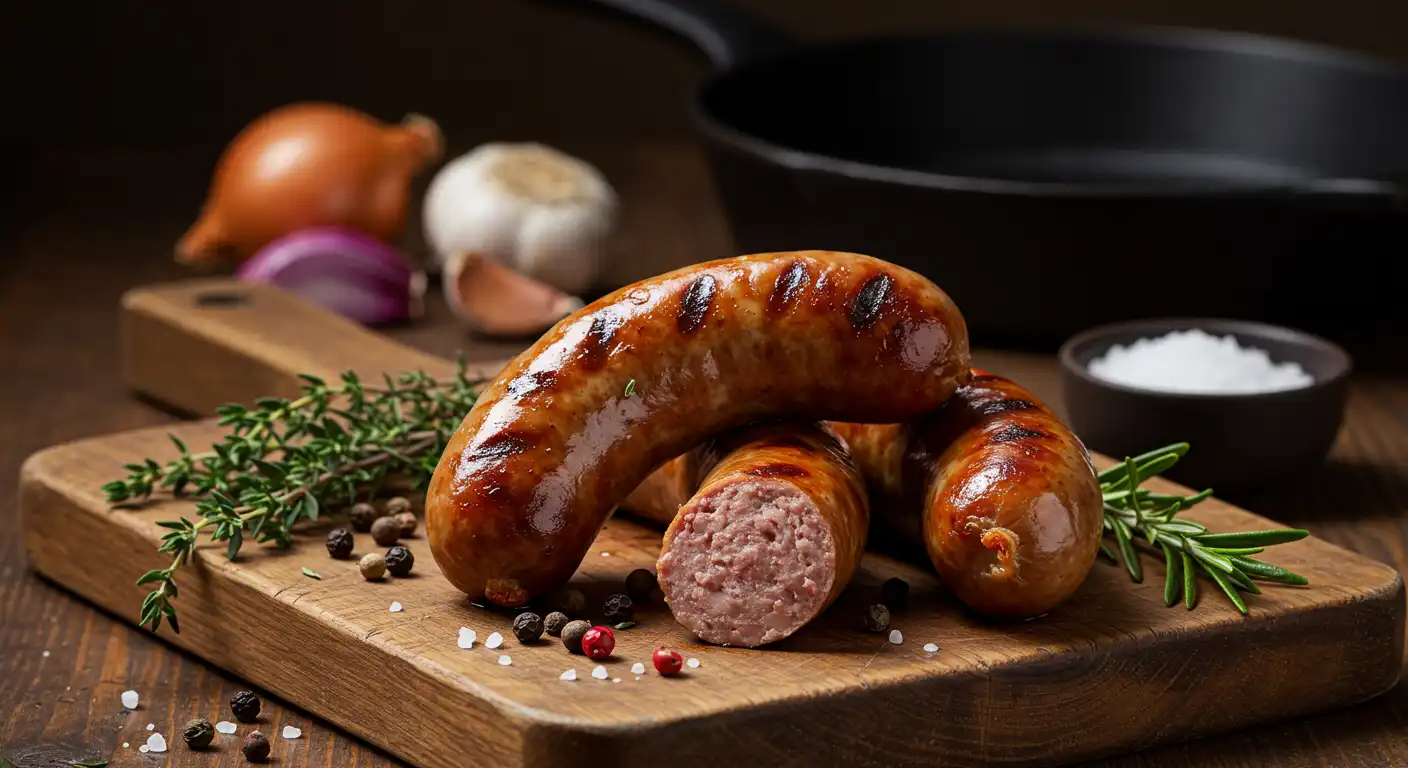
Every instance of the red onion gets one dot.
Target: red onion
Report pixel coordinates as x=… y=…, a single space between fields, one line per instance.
x=347 y=272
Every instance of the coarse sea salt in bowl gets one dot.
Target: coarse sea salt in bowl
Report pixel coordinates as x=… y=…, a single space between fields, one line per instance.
x=1258 y=403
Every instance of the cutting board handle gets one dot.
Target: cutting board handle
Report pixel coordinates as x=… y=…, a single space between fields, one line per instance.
x=198 y=344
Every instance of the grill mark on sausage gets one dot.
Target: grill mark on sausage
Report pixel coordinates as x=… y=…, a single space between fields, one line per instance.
x=694 y=307
x=505 y=444
x=788 y=286
x=778 y=469
x=597 y=345
x=871 y=299
x=528 y=383
x=1014 y=432
x=994 y=407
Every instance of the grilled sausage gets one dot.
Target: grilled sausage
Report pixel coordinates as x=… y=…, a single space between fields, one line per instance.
x=642 y=375
x=773 y=535
x=1002 y=493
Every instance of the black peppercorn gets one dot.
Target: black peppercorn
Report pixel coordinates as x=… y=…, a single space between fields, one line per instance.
x=340 y=543
x=640 y=584
x=877 y=618
x=198 y=733
x=572 y=635
x=256 y=747
x=617 y=608
x=362 y=516
x=399 y=561
x=554 y=623
x=386 y=531
x=571 y=602
x=894 y=594
x=245 y=706
x=527 y=627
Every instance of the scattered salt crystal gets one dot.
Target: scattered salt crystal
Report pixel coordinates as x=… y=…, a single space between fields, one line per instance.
x=600 y=672
x=395 y=607
x=292 y=733
x=467 y=637
x=692 y=663
x=606 y=554
x=931 y=648
x=615 y=679
x=637 y=668
x=1197 y=361
x=46 y=654
x=129 y=699
x=637 y=677
x=156 y=743
x=896 y=637
x=151 y=726
x=569 y=675
x=143 y=749
x=504 y=660
x=225 y=726
x=495 y=640
x=125 y=745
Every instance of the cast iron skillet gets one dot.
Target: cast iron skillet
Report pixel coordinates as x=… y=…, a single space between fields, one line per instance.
x=1052 y=180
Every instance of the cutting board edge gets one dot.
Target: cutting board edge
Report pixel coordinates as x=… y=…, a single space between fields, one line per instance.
x=533 y=727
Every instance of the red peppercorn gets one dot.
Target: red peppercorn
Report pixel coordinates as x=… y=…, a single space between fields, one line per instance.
x=598 y=642
x=667 y=662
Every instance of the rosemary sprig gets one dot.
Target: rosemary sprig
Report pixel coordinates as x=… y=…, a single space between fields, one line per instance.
x=285 y=460
x=1188 y=548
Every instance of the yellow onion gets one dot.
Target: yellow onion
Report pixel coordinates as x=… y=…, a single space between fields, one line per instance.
x=309 y=165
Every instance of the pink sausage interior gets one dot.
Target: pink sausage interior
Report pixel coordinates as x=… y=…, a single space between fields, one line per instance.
x=750 y=563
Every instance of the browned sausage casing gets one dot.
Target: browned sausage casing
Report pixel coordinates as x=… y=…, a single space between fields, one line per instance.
x=1011 y=507
x=772 y=536
x=557 y=441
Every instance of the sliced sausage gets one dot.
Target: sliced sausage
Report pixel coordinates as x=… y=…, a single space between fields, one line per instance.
x=640 y=376
x=773 y=535
x=1002 y=493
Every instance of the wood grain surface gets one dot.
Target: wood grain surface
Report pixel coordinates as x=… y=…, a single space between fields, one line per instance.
x=1009 y=692
x=1035 y=692
x=62 y=273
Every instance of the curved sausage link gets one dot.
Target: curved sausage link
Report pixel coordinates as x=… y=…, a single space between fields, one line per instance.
x=1011 y=507
x=773 y=535
x=557 y=441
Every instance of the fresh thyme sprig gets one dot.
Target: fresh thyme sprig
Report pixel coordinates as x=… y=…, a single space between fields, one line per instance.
x=1188 y=547
x=284 y=460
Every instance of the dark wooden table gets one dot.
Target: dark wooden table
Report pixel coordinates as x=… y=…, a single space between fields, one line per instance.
x=63 y=664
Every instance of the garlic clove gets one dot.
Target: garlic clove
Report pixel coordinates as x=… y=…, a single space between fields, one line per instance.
x=493 y=299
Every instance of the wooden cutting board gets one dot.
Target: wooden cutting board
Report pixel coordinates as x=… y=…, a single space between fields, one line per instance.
x=1110 y=671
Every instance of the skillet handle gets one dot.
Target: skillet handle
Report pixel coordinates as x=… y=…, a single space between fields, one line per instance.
x=727 y=36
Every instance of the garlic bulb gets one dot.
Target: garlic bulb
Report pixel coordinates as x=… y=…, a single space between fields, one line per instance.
x=527 y=206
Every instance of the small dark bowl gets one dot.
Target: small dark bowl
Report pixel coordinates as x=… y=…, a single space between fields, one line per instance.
x=1239 y=441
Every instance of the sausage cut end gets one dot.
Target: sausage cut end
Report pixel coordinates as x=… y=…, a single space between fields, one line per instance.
x=749 y=563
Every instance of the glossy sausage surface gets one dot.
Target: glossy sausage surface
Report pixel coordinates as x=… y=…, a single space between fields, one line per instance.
x=773 y=535
x=642 y=375
x=1002 y=493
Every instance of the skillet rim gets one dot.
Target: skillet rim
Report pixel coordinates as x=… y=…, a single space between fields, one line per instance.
x=1191 y=39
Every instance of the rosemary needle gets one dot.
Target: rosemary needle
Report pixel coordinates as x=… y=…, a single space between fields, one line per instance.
x=1189 y=549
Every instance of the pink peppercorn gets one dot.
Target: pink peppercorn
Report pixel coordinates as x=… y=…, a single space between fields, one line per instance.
x=598 y=642
x=667 y=662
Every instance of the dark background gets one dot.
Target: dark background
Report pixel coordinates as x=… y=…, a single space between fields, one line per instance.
x=125 y=106
x=153 y=74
